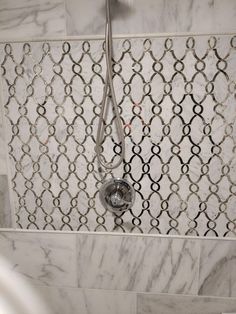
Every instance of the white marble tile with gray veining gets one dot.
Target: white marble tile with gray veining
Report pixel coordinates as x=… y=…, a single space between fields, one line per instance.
x=83 y=301
x=151 y=16
x=137 y=263
x=217 y=271
x=43 y=258
x=30 y=18
x=169 y=304
x=5 y=209
x=3 y=168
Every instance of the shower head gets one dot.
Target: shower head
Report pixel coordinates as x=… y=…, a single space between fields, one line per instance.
x=120 y=9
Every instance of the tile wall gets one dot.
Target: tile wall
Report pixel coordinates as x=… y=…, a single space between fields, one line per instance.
x=59 y=18
x=5 y=213
x=41 y=18
x=54 y=266
x=103 y=273
x=176 y=96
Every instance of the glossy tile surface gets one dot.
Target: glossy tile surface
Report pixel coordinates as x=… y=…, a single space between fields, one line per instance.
x=31 y=18
x=71 y=17
x=43 y=258
x=163 y=304
x=5 y=209
x=218 y=268
x=3 y=168
x=151 y=16
x=137 y=263
x=83 y=301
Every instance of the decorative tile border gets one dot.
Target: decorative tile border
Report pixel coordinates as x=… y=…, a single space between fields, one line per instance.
x=176 y=97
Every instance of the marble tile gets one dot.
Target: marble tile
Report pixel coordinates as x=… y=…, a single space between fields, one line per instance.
x=31 y=18
x=5 y=208
x=3 y=168
x=135 y=263
x=43 y=258
x=151 y=16
x=83 y=301
x=217 y=271
x=166 y=167
x=169 y=304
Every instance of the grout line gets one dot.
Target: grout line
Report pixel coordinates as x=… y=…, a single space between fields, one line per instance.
x=115 y=36
x=136 y=293
x=166 y=294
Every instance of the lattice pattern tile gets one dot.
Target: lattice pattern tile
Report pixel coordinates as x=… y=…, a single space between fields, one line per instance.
x=177 y=101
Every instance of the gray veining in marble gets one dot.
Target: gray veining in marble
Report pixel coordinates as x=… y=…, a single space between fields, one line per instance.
x=169 y=304
x=43 y=258
x=137 y=263
x=218 y=268
x=31 y=18
x=5 y=209
x=83 y=301
x=43 y=18
x=151 y=16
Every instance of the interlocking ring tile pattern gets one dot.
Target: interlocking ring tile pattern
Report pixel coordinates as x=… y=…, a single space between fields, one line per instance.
x=177 y=101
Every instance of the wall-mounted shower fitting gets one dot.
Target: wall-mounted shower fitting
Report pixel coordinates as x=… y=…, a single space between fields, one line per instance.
x=117 y=195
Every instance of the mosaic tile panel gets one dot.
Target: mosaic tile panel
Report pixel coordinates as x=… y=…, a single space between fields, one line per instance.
x=177 y=101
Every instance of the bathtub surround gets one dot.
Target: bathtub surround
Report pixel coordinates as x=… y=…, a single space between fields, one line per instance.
x=36 y=18
x=176 y=97
x=52 y=261
x=71 y=270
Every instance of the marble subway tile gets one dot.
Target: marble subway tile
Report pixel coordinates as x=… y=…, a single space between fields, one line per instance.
x=70 y=300
x=31 y=18
x=2 y=150
x=43 y=258
x=136 y=263
x=151 y=16
x=168 y=304
x=217 y=271
x=5 y=209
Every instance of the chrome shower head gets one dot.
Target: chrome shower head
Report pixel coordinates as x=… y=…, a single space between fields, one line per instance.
x=119 y=8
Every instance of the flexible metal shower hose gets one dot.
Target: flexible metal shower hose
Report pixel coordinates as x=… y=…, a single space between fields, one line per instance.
x=109 y=96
